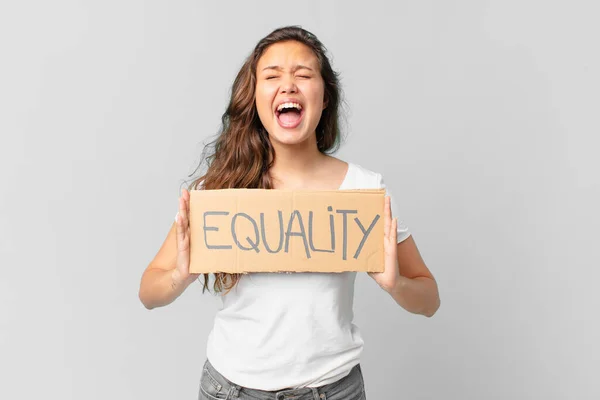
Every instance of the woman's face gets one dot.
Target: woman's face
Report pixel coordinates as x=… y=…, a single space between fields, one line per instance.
x=289 y=92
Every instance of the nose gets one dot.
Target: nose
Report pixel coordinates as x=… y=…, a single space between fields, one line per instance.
x=288 y=85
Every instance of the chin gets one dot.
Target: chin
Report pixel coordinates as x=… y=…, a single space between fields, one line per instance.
x=290 y=138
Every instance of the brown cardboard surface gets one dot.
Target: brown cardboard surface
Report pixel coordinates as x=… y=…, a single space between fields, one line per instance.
x=258 y=230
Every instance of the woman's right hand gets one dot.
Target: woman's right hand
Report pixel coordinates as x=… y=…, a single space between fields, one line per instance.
x=181 y=274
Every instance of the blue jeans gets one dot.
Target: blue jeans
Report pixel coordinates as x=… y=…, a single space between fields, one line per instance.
x=214 y=386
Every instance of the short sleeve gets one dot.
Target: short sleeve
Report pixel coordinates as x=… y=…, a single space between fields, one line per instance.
x=403 y=232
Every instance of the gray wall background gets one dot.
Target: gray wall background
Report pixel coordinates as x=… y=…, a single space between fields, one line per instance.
x=482 y=116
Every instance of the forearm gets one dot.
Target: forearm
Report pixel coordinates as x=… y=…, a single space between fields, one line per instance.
x=159 y=288
x=417 y=295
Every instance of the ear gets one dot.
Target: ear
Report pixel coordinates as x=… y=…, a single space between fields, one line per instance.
x=325 y=103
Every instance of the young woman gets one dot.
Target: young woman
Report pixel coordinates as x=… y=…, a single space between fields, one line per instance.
x=286 y=335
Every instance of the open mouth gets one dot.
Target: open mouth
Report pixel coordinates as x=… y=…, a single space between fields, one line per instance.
x=289 y=115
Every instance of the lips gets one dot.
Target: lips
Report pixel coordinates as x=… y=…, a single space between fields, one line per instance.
x=289 y=119
x=288 y=100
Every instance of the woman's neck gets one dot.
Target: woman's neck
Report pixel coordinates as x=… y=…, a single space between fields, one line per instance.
x=296 y=164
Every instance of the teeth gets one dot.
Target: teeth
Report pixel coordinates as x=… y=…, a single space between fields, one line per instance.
x=289 y=105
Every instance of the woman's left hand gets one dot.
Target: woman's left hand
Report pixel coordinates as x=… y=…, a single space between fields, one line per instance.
x=388 y=279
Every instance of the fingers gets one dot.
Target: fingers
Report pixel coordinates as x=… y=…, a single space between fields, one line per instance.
x=186 y=197
x=182 y=220
x=394 y=231
x=387 y=217
x=179 y=224
x=184 y=206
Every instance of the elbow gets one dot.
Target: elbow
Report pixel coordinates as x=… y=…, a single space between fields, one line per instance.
x=431 y=312
x=435 y=302
x=144 y=301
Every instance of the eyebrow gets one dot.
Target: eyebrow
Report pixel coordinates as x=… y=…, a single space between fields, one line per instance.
x=278 y=68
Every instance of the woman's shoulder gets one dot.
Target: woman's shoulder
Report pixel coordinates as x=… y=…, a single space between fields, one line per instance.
x=363 y=177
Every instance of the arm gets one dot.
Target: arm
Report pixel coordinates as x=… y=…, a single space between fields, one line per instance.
x=406 y=277
x=168 y=275
x=159 y=285
x=416 y=289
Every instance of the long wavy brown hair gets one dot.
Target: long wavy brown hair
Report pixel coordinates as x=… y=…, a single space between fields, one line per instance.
x=241 y=154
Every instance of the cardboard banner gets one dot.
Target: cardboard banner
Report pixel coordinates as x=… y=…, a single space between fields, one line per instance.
x=259 y=230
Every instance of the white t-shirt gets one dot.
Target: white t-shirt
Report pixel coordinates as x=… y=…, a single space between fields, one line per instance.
x=278 y=330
